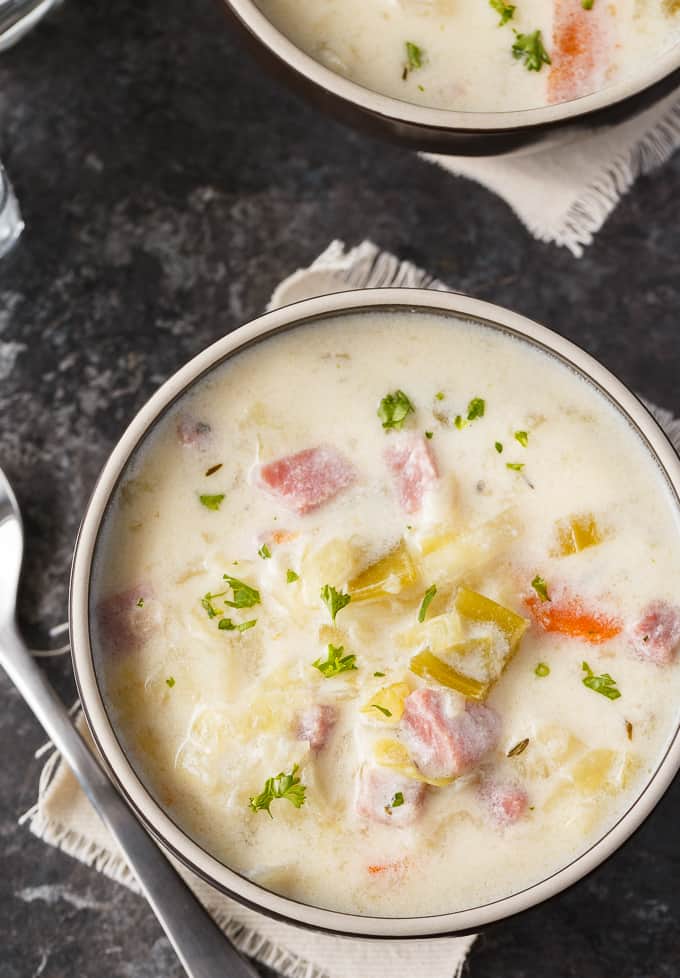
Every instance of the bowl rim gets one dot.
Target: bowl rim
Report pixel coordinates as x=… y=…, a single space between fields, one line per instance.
x=397 y=110
x=156 y=820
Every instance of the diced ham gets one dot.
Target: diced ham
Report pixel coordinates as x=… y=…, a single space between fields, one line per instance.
x=445 y=741
x=377 y=790
x=411 y=462
x=316 y=724
x=128 y=618
x=191 y=432
x=655 y=636
x=308 y=479
x=581 y=51
x=506 y=801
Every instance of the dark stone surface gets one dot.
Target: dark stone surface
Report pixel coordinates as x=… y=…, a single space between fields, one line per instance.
x=167 y=187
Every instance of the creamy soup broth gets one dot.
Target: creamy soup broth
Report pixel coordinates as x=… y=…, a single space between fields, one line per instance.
x=502 y=682
x=451 y=55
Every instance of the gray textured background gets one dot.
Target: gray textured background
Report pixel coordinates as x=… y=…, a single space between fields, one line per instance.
x=167 y=187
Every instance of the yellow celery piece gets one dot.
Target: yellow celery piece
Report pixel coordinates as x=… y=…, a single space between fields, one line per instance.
x=593 y=772
x=392 y=754
x=575 y=534
x=437 y=634
x=332 y=562
x=476 y=607
x=389 y=698
x=386 y=577
x=429 y=666
x=447 y=556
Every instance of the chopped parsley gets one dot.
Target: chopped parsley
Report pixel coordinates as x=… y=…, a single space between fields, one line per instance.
x=282 y=786
x=587 y=4
x=213 y=469
x=170 y=682
x=414 y=59
x=542 y=670
x=429 y=434
x=475 y=409
x=459 y=423
x=498 y=445
x=212 y=502
x=227 y=625
x=541 y=588
x=207 y=603
x=522 y=437
x=439 y=395
x=245 y=596
x=398 y=800
x=383 y=709
x=335 y=662
x=515 y=466
x=379 y=674
x=427 y=600
x=264 y=552
x=518 y=748
x=603 y=684
x=291 y=576
x=334 y=600
x=529 y=48
x=394 y=410
x=504 y=10
x=140 y=603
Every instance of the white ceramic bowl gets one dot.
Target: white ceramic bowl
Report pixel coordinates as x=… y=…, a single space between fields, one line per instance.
x=141 y=800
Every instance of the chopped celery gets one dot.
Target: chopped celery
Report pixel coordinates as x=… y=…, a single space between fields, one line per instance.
x=387 y=705
x=447 y=556
x=577 y=533
x=436 y=634
x=392 y=754
x=429 y=666
x=477 y=607
x=386 y=577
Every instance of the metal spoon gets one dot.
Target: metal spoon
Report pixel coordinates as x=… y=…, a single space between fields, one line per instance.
x=205 y=952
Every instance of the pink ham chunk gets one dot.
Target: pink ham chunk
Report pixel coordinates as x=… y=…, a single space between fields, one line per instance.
x=308 y=479
x=656 y=635
x=506 y=801
x=411 y=462
x=445 y=741
x=192 y=433
x=315 y=725
x=581 y=50
x=128 y=619
x=386 y=797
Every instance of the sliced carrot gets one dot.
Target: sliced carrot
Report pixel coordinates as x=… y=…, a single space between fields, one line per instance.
x=581 y=49
x=570 y=617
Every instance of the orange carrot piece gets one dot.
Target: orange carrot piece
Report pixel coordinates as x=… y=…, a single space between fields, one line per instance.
x=570 y=617
x=581 y=49
x=396 y=868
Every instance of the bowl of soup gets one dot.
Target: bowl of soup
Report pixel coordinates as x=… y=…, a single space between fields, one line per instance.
x=475 y=79
x=375 y=618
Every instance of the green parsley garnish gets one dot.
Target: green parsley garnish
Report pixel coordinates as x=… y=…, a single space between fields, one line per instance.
x=587 y=4
x=459 y=423
x=427 y=600
x=378 y=673
x=398 y=800
x=439 y=395
x=335 y=662
x=170 y=682
x=529 y=48
x=505 y=10
x=522 y=437
x=498 y=445
x=334 y=600
x=542 y=670
x=264 y=552
x=603 y=684
x=140 y=603
x=394 y=410
x=282 y=786
x=383 y=709
x=212 y=502
x=207 y=603
x=414 y=59
x=291 y=576
x=515 y=466
x=429 y=434
x=541 y=588
x=227 y=625
x=476 y=408
x=518 y=748
x=213 y=469
x=244 y=595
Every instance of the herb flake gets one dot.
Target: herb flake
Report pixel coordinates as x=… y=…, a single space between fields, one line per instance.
x=283 y=785
x=529 y=49
x=542 y=670
x=514 y=466
x=383 y=709
x=334 y=600
x=212 y=502
x=291 y=576
x=394 y=409
x=522 y=437
x=426 y=602
x=603 y=684
x=335 y=662
x=227 y=625
x=264 y=552
x=541 y=588
x=518 y=748
x=245 y=596
x=213 y=469
x=498 y=445
x=504 y=10
x=170 y=681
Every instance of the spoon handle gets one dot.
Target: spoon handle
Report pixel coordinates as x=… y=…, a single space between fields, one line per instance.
x=205 y=952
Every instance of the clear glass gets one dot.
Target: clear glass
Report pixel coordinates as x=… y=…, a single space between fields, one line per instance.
x=11 y=224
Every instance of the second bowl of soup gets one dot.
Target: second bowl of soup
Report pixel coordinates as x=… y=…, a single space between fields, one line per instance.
x=375 y=613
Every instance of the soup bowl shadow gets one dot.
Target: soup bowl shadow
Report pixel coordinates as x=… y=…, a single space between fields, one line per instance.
x=443 y=130
x=156 y=819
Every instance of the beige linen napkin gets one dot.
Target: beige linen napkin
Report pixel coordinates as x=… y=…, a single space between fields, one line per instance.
x=565 y=192
x=63 y=817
